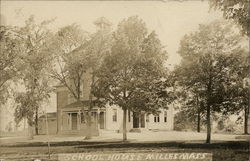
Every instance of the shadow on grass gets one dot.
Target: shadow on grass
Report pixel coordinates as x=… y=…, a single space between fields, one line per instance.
x=244 y=145
x=179 y=145
x=65 y=143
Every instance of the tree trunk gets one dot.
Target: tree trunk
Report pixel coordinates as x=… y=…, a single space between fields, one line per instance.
x=199 y=121
x=208 y=125
x=89 y=133
x=124 y=130
x=24 y=123
x=246 y=113
x=198 y=115
x=36 y=122
x=30 y=132
x=208 y=103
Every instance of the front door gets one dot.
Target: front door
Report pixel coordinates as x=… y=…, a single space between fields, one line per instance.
x=101 y=119
x=135 y=120
x=73 y=121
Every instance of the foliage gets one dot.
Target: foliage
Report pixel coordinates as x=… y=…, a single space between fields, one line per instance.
x=9 y=60
x=130 y=76
x=183 y=121
x=69 y=66
x=25 y=107
x=79 y=56
x=209 y=56
x=34 y=57
x=77 y=52
x=134 y=62
x=238 y=10
x=226 y=125
x=34 y=54
x=238 y=91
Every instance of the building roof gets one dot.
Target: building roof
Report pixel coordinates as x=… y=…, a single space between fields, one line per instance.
x=49 y=115
x=82 y=104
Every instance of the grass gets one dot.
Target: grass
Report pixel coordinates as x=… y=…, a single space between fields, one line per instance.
x=222 y=151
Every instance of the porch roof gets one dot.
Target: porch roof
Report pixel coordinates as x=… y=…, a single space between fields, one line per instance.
x=80 y=104
x=49 y=115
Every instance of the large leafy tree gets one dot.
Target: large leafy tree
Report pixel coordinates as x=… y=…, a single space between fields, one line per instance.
x=79 y=55
x=237 y=10
x=130 y=76
x=35 y=38
x=95 y=50
x=69 y=66
x=208 y=56
x=239 y=90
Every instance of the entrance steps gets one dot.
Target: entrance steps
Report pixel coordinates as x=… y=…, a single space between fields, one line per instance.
x=138 y=130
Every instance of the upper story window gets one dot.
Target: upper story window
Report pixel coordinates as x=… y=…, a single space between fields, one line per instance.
x=165 y=116
x=114 y=115
x=157 y=118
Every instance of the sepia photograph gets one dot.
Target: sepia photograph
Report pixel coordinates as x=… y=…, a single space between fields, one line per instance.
x=124 y=80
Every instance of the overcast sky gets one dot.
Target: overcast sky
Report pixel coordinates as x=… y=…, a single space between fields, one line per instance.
x=170 y=20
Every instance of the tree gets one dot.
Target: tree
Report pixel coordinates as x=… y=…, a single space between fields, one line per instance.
x=68 y=66
x=9 y=64
x=130 y=76
x=95 y=50
x=238 y=90
x=238 y=10
x=34 y=56
x=207 y=58
x=191 y=107
x=80 y=53
x=28 y=103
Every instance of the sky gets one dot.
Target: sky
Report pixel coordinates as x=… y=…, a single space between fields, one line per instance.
x=171 y=20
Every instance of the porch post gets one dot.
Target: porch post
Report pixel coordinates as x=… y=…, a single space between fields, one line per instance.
x=98 y=119
x=61 y=122
x=139 y=118
x=144 y=120
x=79 y=120
x=70 y=121
x=104 y=113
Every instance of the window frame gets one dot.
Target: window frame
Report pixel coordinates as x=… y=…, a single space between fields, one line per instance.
x=157 y=118
x=165 y=116
x=114 y=115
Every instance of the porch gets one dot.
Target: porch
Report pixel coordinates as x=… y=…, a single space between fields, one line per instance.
x=73 y=121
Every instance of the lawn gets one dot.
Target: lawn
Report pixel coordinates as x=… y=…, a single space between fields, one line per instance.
x=222 y=151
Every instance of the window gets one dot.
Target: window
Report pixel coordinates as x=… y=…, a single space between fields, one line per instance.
x=147 y=118
x=129 y=116
x=157 y=118
x=165 y=116
x=114 y=116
